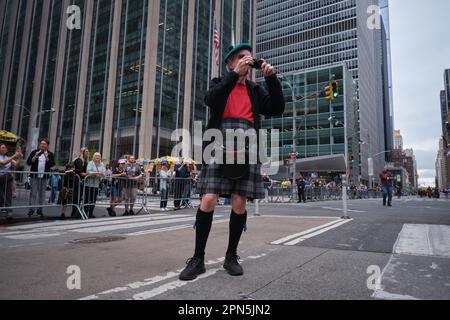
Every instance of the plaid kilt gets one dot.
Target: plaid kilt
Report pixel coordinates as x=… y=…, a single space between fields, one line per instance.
x=212 y=182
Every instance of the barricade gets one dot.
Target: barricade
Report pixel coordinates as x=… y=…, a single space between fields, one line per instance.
x=26 y=190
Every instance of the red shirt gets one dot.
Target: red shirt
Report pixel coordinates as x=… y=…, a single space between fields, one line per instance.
x=239 y=105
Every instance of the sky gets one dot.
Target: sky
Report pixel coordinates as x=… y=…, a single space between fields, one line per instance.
x=420 y=39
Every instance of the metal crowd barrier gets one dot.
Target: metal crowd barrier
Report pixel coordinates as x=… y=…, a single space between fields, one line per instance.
x=26 y=190
x=278 y=194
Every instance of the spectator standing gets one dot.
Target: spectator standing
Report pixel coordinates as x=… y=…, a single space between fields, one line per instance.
x=119 y=179
x=164 y=176
x=7 y=164
x=65 y=197
x=55 y=181
x=134 y=174
x=81 y=171
x=301 y=189
x=41 y=161
x=95 y=173
x=268 y=185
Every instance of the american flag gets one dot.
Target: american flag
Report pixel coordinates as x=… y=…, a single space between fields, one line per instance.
x=216 y=43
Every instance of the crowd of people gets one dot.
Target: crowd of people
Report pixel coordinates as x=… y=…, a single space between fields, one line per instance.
x=79 y=185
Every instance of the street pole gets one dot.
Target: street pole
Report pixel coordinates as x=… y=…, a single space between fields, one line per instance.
x=294 y=133
x=346 y=176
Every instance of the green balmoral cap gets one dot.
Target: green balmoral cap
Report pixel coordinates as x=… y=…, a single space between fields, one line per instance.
x=239 y=47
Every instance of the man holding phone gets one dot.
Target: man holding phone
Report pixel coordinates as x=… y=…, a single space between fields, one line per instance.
x=40 y=161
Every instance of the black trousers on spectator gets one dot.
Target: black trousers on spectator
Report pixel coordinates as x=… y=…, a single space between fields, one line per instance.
x=90 y=198
x=6 y=185
x=301 y=195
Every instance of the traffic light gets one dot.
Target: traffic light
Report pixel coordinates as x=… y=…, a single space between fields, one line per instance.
x=329 y=93
x=335 y=86
x=353 y=160
x=332 y=90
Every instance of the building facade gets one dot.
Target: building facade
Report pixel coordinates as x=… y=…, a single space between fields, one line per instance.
x=398 y=140
x=310 y=34
x=319 y=129
x=132 y=73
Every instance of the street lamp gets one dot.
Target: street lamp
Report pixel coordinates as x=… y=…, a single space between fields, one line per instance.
x=35 y=130
x=338 y=123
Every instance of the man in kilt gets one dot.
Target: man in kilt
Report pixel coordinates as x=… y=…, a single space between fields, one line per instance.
x=235 y=103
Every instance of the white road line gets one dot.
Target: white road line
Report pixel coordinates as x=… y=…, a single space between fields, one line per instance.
x=310 y=235
x=145 y=232
x=293 y=236
x=340 y=209
x=131 y=225
x=146 y=295
x=295 y=217
x=68 y=223
x=33 y=236
x=94 y=224
x=160 y=278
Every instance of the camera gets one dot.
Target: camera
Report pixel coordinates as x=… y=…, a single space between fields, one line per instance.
x=257 y=64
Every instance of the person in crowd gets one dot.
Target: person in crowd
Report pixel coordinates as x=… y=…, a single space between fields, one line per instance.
x=134 y=174
x=95 y=173
x=268 y=185
x=65 y=197
x=119 y=180
x=301 y=189
x=164 y=176
x=7 y=164
x=40 y=161
x=55 y=181
x=80 y=164
x=178 y=184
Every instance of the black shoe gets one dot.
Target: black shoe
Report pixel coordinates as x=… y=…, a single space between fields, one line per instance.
x=63 y=216
x=195 y=267
x=389 y=205
x=126 y=214
x=232 y=265
x=132 y=213
x=30 y=213
x=9 y=218
x=40 y=214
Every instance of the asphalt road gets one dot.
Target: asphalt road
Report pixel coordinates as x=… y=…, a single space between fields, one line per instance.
x=290 y=252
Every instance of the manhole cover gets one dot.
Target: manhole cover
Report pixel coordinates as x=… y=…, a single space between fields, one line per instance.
x=97 y=240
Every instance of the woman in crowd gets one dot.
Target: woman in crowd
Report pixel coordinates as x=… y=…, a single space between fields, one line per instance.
x=119 y=177
x=80 y=170
x=95 y=172
x=7 y=164
x=164 y=175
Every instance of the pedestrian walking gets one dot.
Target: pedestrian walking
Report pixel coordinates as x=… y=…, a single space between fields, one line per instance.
x=7 y=164
x=387 y=180
x=235 y=103
x=41 y=161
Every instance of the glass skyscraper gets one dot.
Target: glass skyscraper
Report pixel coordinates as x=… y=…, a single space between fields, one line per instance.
x=307 y=35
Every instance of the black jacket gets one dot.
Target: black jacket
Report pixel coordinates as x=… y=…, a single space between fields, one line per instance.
x=269 y=104
x=34 y=165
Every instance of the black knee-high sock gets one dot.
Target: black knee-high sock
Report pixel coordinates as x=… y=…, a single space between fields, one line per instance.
x=202 y=229
x=237 y=224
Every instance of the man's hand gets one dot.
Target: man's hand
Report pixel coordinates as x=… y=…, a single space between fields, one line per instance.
x=267 y=70
x=244 y=66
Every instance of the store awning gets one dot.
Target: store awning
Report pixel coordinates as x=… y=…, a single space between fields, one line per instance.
x=332 y=163
x=6 y=136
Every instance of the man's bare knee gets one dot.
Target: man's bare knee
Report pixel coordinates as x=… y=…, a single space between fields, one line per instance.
x=209 y=202
x=239 y=204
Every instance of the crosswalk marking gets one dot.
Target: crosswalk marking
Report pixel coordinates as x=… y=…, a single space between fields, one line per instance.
x=294 y=239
